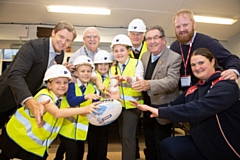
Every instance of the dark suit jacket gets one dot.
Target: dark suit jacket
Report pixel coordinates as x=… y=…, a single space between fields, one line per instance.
x=165 y=77
x=24 y=76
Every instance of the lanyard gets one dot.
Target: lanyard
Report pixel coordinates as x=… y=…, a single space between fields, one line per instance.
x=185 y=63
x=85 y=50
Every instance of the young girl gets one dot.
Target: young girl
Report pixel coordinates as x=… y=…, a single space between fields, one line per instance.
x=22 y=137
x=98 y=135
x=74 y=130
x=126 y=70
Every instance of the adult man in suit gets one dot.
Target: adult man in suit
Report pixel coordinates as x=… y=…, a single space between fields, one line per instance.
x=136 y=33
x=160 y=85
x=22 y=79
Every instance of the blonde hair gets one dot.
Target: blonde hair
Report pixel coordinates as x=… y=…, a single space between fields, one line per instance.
x=184 y=12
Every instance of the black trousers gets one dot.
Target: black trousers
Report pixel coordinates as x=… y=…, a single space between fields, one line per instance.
x=181 y=148
x=154 y=134
x=4 y=116
x=97 y=142
x=74 y=149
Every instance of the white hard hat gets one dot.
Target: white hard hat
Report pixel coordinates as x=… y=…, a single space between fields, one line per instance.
x=137 y=25
x=121 y=39
x=83 y=60
x=102 y=56
x=56 y=71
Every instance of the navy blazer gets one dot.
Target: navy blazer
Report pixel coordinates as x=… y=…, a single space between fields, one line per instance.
x=24 y=76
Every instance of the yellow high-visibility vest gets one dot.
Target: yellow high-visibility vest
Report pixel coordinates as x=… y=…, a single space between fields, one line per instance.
x=127 y=93
x=143 y=50
x=23 y=130
x=76 y=127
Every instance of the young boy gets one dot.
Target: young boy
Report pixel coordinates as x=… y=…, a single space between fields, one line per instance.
x=98 y=135
x=22 y=137
x=74 y=130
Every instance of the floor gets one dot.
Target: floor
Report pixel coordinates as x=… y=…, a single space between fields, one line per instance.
x=114 y=147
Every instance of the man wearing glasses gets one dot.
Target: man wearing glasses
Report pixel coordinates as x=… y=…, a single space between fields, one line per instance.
x=160 y=85
x=91 y=41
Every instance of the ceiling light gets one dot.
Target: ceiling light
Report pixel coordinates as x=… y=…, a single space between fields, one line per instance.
x=215 y=20
x=79 y=10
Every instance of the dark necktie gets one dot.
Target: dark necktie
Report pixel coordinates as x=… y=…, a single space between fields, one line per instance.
x=103 y=78
x=123 y=67
x=83 y=88
x=136 y=51
x=58 y=103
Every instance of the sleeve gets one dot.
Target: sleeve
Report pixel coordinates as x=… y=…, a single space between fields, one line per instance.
x=20 y=68
x=72 y=98
x=74 y=56
x=179 y=100
x=112 y=83
x=139 y=72
x=44 y=97
x=222 y=96
x=224 y=57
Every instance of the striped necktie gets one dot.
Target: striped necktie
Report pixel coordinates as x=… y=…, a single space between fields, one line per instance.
x=136 y=51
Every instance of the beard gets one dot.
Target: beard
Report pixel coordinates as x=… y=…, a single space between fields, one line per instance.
x=185 y=39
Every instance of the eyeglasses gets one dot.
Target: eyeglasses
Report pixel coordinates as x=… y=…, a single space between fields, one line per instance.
x=91 y=37
x=155 y=38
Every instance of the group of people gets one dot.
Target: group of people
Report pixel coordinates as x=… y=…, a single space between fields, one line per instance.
x=143 y=73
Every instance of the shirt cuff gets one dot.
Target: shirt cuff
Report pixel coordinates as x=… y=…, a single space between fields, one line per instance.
x=234 y=70
x=22 y=103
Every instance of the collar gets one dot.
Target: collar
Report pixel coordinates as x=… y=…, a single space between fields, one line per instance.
x=154 y=58
x=214 y=76
x=55 y=97
x=106 y=74
x=120 y=64
x=80 y=83
x=194 y=35
x=139 y=48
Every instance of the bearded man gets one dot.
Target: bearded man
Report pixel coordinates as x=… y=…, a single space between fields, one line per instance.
x=189 y=40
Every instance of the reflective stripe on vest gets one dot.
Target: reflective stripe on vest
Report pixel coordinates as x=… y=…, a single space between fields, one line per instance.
x=76 y=127
x=126 y=91
x=23 y=130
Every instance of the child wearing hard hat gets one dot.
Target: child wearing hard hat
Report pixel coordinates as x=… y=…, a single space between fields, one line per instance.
x=80 y=94
x=127 y=70
x=22 y=137
x=98 y=135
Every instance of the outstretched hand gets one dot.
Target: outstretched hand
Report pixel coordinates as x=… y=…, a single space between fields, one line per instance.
x=92 y=108
x=141 y=85
x=119 y=79
x=37 y=109
x=91 y=97
x=144 y=107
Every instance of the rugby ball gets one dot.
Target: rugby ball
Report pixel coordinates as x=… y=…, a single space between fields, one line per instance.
x=108 y=112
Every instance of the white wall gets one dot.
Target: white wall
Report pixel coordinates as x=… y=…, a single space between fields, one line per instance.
x=233 y=44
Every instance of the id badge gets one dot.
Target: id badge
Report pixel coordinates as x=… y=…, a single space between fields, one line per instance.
x=185 y=81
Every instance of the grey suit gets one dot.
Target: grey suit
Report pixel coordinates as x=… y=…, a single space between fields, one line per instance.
x=163 y=89
x=24 y=76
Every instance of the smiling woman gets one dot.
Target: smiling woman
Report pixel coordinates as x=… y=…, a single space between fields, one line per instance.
x=212 y=107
